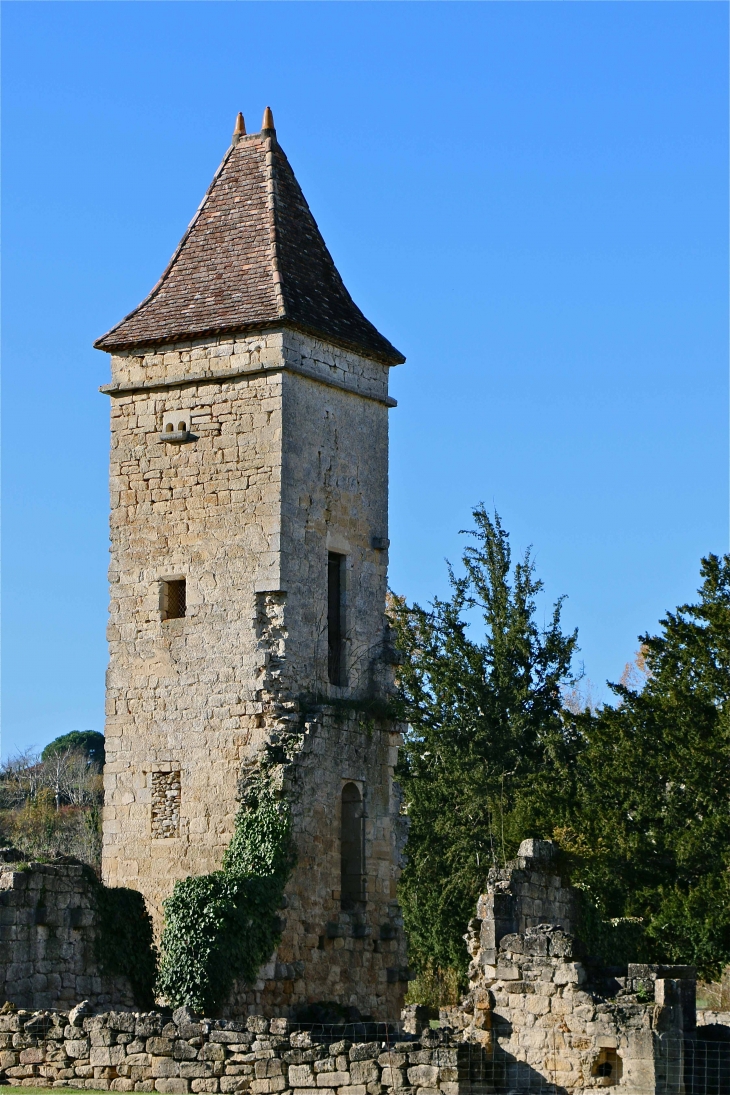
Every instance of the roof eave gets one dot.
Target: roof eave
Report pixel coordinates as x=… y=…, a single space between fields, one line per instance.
x=108 y=343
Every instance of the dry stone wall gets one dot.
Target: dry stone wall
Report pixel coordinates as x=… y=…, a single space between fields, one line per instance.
x=182 y=1053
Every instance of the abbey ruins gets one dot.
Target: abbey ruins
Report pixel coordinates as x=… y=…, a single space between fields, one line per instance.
x=247 y=632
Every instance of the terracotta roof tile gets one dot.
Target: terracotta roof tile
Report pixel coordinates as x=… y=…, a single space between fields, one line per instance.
x=251 y=258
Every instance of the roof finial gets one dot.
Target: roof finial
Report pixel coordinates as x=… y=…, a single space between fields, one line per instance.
x=239 y=130
x=268 y=122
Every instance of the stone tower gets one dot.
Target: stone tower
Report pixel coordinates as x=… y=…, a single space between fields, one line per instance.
x=249 y=509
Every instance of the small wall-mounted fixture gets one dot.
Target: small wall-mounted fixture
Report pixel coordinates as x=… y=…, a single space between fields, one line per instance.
x=175 y=426
x=380 y=543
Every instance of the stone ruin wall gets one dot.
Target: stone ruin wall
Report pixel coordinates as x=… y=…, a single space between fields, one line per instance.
x=542 y=1015
x=356 y=958
x=48 y=940
x=535 y=1016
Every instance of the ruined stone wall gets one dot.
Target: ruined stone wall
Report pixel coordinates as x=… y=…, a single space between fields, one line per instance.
x=356 y=957
x=48 y=933
x=279 y=469
x=543 y=1016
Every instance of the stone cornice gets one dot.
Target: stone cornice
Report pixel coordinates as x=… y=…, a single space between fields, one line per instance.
x=238 y=374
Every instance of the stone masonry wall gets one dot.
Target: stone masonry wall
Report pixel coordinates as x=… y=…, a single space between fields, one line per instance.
x=181 y=1053
x=286 y=460
x=48 y=938
x=358 y=957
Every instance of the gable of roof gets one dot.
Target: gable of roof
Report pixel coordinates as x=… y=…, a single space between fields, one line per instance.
x=252 y=257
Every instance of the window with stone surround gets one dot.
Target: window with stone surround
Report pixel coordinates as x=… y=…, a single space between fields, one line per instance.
x=173 y=599
x=165 y=804
x=336 y=618
x=352 y=848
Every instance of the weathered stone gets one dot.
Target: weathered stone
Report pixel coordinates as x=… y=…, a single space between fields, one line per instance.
x=160 y=1047
x=212 y=1051
x=301 y=1076
x=164 y=1067
x=364 y=1072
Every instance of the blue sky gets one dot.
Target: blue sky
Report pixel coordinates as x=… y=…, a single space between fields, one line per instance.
x=529 y=199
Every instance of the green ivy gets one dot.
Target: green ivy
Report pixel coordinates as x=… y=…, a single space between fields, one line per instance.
x=223 y=926
x=124 y=944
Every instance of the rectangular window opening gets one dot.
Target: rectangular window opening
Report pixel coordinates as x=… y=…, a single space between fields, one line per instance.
x=173 y=599
x=335 y=618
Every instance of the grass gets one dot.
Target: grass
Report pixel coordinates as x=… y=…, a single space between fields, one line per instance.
x=9 y=1089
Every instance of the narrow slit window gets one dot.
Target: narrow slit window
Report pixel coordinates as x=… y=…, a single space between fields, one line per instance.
x=352 y=848
x=335 y=618
x=173 y=599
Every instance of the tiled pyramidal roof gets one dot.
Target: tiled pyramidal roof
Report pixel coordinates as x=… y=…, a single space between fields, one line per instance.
x=251 y=258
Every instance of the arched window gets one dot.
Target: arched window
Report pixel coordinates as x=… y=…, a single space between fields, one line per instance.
x=352 y=845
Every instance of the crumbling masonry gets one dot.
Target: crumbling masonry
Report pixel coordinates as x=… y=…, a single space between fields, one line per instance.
x=542 y=1016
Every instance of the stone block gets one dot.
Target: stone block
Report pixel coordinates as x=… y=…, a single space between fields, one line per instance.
x=257 y=1024
x=334 y=1079
x=183 y=1051
x=392 y=1060
x=363 y=1072
x=265 y=1087
x=394 y=1077
x=229 y=1084
x=77 y=1047
x=160 y=1047
x=195 y=1070
x=105 y=1056
x=32 y=1056
x=212 y=1051
x=301 y=1076
x=172 y=1086
x=164 y=1067
x=423 y=1076
x=508 y=973
x=211 y=1084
